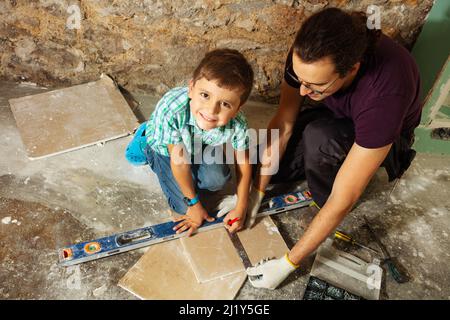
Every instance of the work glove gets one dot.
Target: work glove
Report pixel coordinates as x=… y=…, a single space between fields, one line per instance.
x=270 y=273
x=254 y=203
x=227 y=204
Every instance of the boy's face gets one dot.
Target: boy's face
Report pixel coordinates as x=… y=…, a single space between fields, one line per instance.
x=211 y=105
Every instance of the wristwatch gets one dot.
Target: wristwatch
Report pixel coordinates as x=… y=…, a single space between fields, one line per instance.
x=190 y=202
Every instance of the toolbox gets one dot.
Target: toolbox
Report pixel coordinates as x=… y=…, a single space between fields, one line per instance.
x=337 y=275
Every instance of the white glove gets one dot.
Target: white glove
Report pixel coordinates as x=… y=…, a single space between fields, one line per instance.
x=254 y=203
x=227 y=204
x=270 y=273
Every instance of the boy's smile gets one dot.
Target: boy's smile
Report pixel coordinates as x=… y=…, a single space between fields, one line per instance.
x=211 y=105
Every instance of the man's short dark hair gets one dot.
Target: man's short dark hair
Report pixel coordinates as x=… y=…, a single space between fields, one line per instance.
x=229 y=68
x=335 y=33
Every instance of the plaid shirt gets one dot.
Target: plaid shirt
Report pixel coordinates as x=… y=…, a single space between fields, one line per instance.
x=173 y=123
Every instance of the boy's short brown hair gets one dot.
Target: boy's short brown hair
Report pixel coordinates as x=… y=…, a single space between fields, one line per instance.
x=229 y=68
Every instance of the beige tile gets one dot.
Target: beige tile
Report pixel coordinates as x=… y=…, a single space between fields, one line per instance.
x=212 y=255
x=71 y=118
x=163 y=272
x=262 y=240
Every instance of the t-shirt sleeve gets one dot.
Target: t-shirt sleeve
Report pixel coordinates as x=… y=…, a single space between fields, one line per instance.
x=164 y=126
x=380 y=123
x=240 y=138
x=289 y=75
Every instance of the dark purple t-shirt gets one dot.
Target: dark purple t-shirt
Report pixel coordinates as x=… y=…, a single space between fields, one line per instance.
x=383 y=100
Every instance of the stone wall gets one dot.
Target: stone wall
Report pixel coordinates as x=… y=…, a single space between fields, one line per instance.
x=153 y=45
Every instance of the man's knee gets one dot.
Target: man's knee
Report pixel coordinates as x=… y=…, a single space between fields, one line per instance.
x=315 y=135
x=326 y=142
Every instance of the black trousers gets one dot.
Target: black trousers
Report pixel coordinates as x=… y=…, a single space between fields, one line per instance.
x=318 y=147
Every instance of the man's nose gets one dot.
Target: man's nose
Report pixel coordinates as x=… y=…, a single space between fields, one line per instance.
x=304 y=90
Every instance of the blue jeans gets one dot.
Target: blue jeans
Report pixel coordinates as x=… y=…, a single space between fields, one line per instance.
x=210 y=177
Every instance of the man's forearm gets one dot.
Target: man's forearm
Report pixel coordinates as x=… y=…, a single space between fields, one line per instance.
x=243 y=177
x=261 y=181
x=355 y=173
x=328 y=218
x=288 y=110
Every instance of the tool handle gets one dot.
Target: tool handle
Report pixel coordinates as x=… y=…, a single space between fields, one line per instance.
x=396 y=272
x=343 y=236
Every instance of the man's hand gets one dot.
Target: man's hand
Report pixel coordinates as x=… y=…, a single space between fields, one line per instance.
x=270 y=273
x=237 y=217
x=193 y=219
x=254 y=203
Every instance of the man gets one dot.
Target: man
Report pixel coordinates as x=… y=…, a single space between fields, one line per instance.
x=370 y=89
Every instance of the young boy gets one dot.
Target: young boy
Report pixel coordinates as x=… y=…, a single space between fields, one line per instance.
x=208 y=110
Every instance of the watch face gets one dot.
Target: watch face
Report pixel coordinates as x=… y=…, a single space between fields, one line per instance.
x=190 y=202
x=187 y=201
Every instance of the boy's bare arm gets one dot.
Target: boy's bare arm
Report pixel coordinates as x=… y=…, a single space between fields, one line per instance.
x=243 y=181
x=181 y=170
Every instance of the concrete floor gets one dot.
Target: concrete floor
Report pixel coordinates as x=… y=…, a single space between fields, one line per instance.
x=81 y=195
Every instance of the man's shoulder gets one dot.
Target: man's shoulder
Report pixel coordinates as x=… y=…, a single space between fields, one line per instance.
x=393 y=62
x=391 y=71
x=388 y=45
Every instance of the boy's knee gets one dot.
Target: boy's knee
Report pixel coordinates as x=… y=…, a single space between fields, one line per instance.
x=177 y=205
x=215 y=179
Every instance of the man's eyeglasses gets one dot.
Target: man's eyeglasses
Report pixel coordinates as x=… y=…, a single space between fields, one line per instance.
x=305 y=84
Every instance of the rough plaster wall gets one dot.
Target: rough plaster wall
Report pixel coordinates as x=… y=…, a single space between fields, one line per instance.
x=153 y=45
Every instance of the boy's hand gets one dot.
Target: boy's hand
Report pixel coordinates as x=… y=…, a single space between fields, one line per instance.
x=193 y=219
x=237 y=217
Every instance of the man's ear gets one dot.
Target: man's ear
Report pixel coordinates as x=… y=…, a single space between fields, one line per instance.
x=355 y=68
